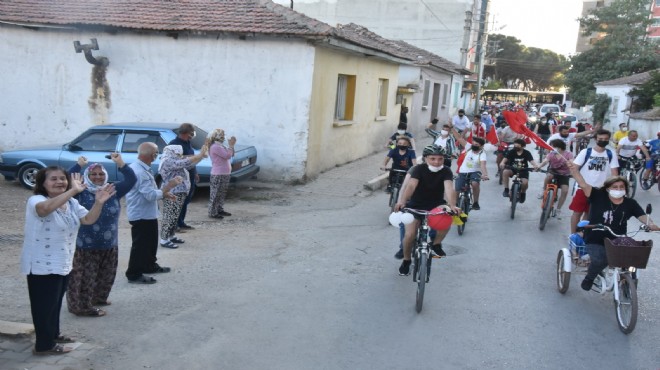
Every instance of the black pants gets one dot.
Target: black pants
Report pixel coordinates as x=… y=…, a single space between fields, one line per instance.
x=46 y=294
x=184 y=208
x=144 y=248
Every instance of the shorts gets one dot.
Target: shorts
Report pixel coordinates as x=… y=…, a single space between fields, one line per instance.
x=462 y=178
x=521 y=174
x=649 y=163
x=561 y=179
x=423 y=208
x=579 y=203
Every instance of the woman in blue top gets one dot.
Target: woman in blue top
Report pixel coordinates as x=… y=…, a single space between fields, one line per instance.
x=95 y=260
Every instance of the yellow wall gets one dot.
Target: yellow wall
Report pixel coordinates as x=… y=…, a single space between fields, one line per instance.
x=331 y=145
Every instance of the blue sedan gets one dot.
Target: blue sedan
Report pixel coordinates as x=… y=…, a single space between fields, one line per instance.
x=99 y=141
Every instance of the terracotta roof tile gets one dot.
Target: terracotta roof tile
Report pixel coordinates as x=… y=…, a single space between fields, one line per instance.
x=362 y=36
x=424 y=57
x=636 y=79
x=241 y=16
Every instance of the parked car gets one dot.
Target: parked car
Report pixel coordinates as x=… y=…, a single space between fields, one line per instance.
x=99 y=141
x=549 y=108
x=566 y=117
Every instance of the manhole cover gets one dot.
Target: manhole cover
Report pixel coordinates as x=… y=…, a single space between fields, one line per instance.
x=11 y=238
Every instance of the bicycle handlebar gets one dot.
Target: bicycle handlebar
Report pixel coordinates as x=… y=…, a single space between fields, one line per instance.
x=421 y=212
x=601 y=227
x=395 y=170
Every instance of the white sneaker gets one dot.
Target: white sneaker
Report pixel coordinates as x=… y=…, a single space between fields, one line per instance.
x=558 y=214
x=539 y=195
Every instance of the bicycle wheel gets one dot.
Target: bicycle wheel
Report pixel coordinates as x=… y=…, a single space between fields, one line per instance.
x=462 y=204
x=626 y=307
x=421 y=282
x=499 y=174
x=546 y=211
x=645 y=184
x=515 y=189
x=394 y=197
x=632 y=184
x=563 y=276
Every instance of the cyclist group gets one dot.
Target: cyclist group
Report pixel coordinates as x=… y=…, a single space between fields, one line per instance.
x=430 y=184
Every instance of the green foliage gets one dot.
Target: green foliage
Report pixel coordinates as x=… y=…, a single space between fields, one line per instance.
x=647 y=94
x=519 y=67
x=623 y=49
x=601 y=107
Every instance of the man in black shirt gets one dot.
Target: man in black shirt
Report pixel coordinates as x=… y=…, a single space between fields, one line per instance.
x=518 y=161
x=426 y=189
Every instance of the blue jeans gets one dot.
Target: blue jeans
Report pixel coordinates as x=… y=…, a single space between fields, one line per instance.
x=598 y=260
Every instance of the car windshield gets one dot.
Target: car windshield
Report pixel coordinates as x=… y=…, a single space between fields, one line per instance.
x=200 y=137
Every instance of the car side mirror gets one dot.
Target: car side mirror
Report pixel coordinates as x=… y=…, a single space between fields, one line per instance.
x=649 y=209
x=72 y=147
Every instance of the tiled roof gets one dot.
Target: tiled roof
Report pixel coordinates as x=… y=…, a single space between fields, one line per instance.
x=424 y=57
x=636 y=79
x=241 y=16
x=362 y=36
x=649 y=115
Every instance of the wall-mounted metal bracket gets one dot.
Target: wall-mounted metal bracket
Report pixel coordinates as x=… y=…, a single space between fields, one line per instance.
x=87 y=49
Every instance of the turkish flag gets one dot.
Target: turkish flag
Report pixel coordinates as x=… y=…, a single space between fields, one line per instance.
x=491 y=136
x=518 y=123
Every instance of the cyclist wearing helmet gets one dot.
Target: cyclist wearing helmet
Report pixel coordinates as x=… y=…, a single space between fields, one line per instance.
x=654 y=150
x=426 y=189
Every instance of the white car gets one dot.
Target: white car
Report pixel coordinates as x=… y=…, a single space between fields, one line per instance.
x=549 y=108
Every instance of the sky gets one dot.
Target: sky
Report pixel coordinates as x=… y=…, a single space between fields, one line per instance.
x=538 y=23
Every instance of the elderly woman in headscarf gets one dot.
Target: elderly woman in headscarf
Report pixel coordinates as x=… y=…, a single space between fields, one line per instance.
x=173 y=164
x=95 y=259
x=220 y=154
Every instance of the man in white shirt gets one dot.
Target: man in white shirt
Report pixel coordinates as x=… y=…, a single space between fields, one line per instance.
x=628 y=146
x=461 y=123
x=568 y=137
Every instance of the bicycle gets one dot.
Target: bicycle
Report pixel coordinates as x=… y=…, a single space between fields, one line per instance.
x=464 y=201
x=397 y=181
x=516 y=185
x=620 y=277
x=503 y=148
x=629 y=172
x=550 y=195
x=654 y=176
x=423 y=256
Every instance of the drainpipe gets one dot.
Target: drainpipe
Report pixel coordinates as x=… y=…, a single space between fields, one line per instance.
x=87 y=49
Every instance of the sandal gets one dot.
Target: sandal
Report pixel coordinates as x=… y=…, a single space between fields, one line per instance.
x=177 y=240
x=103 y=303
x=64 y=339
x=143 y=280
x=93 y=312
x=56 y=350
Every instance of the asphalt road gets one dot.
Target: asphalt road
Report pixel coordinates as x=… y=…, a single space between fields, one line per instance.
x=304 y=278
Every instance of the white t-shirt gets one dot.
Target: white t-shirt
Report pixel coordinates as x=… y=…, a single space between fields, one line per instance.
x=50 y=241
x=472 y=161
x=629 y=148
x=596 y=168
x=567 y=140
x=461 y=123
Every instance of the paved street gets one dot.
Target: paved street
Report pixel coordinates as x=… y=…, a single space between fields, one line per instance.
x=303 y=277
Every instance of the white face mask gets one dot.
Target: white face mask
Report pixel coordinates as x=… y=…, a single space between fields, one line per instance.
x=400 y=132
x=444 y=132
x=624 y=128
x=434 y=168
x=616 y=194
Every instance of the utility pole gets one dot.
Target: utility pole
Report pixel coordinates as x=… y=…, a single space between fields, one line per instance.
x=467 y=29
x=481 y=43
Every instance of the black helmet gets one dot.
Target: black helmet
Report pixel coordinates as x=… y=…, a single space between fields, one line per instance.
x=434 y=150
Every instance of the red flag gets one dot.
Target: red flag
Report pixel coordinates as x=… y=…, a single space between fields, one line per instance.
x=469 y=139
x=518 y=123
x=491 y=136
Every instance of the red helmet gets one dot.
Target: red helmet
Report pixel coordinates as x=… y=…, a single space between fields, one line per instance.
x=440 y=221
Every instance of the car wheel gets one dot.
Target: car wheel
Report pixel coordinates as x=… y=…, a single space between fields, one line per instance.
x=27 y=175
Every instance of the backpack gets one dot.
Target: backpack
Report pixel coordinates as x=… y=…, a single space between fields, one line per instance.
x=588 y=154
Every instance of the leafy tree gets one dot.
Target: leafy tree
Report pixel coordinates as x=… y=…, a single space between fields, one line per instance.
x=623 y=49
x=516 y=66
x=647 y=95
x=601 y=107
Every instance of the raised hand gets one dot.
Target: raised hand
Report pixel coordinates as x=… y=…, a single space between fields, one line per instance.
x=116 y=157
x=77 y=183
x=105 y=193
x=232 y=141
x=82 y=161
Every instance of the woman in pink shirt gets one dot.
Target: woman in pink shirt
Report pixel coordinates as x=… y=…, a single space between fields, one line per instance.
x=220 y=171
x=558 y=160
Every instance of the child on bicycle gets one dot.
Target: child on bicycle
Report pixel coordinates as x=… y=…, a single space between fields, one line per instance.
x=401 y=130
x=403 y=158
x=558 y=160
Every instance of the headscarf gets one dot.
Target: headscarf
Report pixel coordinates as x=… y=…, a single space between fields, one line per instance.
x=215 y=135
x=91 y=187
x=170 y=152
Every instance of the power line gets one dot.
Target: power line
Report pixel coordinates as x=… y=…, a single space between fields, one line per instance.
x=436 y=17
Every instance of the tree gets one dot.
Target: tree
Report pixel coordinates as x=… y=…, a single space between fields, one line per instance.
x=601 y=107
x=646 y=95
x=516 y=66
x=623 y=49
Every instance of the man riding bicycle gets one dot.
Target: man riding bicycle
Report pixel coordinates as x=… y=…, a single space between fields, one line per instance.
x=654 y=149
x=627 y=148
x=473 y=168
x=424 y=190
x=506 y=136
x=519 y=159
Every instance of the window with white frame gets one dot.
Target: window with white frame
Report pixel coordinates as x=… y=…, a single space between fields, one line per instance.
x=345 y=101
x=383 y=87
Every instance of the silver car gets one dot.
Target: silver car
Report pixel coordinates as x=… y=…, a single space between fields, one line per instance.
x=99 y=141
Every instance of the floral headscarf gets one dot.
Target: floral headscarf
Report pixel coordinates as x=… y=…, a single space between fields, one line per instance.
x=91 y=187
x=170 y=152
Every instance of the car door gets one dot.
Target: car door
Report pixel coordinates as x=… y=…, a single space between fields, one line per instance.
x=132 y=140
x=94 y=145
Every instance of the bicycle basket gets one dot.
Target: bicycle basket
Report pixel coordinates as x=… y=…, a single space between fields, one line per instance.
x=628 y=252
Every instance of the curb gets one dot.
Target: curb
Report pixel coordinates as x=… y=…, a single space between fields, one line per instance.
x=377 y=182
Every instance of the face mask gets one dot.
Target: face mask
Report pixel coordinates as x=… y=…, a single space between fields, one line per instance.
x=400 y=132
x=476 y=148
x=434 y=168
x=444 y=132
x=624 y=128
x=616 y=194
x=517 y=148
x=602 y=143
x=460 y=115
x=564 y=136
x=402 y=147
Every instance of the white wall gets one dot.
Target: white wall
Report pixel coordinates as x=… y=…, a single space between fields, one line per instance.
x=257 y=90
x=615 y=115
